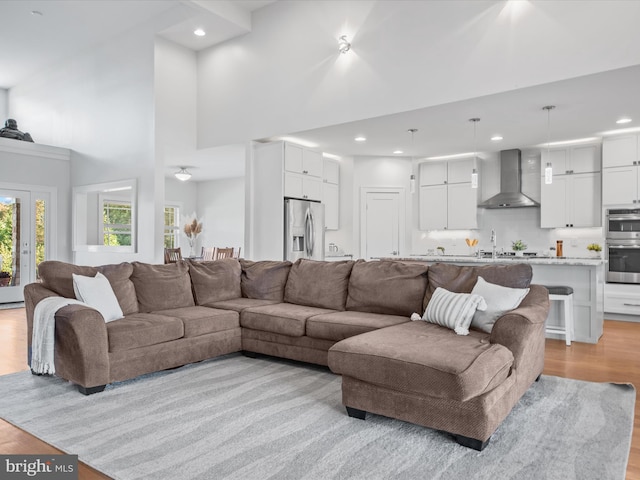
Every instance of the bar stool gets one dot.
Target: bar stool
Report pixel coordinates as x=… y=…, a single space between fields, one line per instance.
x=562 y=294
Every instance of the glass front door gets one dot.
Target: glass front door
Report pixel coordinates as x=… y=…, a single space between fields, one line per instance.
x=16 y=252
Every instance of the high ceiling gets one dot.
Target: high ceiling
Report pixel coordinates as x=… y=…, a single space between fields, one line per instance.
x=36 y=34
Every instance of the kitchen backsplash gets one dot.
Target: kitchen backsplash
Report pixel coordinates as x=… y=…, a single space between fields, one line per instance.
x=510 y=225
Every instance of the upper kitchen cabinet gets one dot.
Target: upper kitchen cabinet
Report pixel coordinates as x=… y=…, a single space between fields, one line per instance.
x=303 y=173
x=573 y=197
x=575 y=159
x=331 y=194
x=621 y=172
x=447 y=201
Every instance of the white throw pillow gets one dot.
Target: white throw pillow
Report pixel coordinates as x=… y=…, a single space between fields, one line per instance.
x=97 y=293
x=500 y=300
x=453 y=310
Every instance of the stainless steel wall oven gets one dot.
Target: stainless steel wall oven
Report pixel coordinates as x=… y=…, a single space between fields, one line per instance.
x=623 y=245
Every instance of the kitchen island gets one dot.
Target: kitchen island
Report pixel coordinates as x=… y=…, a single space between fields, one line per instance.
x=585 y=275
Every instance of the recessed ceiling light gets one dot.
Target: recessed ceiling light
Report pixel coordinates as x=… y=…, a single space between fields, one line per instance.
x=496 y=138
x=623 y=120
x=360 y=139
x=199 y=32
x=398 y=152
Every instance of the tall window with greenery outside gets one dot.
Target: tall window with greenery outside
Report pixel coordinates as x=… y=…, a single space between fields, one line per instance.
x=171 y=226
x=116 y=222
x=6 y=233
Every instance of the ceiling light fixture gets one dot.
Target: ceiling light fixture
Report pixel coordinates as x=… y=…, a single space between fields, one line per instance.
x=548 y=170
x=36 y=13
x=496 y=138
x=360 y=139
x=343 y=44
x=182 y=174
x=623 y=120
x=474 y=172
x=398 y=152
x=198 y=32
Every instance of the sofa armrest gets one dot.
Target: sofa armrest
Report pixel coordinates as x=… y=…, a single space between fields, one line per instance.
x=522 y=331
x=82 y=346
x=33 y=294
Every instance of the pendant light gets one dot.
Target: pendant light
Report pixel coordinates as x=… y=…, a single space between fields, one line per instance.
x=474 y=172
x=412 y=177
x=548 y=170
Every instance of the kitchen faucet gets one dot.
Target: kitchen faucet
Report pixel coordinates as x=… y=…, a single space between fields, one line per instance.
x=493 y=243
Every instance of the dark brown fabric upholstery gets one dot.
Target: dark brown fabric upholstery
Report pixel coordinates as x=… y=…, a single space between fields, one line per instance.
x=143 y=329
x=318 y=284
x=283 y=318
x=161 y=287
x=216 y=280
x=264 y=280
x=392 y=288
x=462 y=279
x=423 y=359
x=202 y=320
x=340 y=325
x=57 y=276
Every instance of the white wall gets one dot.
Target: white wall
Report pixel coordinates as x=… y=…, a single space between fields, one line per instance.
x=101 y=105
x=4 y=108
x=222 y=210
x=405 y=55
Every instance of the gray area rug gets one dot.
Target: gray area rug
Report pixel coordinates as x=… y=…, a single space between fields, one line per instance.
x=242 y=418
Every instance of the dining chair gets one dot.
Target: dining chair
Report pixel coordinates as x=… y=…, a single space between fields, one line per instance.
x=223 y=253
x=172 y=255
x=208 y=253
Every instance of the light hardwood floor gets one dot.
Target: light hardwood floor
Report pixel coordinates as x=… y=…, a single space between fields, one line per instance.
x=614 y=359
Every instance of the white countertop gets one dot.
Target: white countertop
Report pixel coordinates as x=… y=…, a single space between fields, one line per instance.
x=531 y=260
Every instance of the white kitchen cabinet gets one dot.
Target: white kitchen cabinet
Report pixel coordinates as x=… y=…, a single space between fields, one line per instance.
x=621 y=172
x=620 y=151
x=331 y=194
x=302 y=160
x=575 y=159
x=447 y=201
x=571 y=201
x=620 y=185
x=302 y=186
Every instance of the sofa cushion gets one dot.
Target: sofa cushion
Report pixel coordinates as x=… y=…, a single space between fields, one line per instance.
x=424 y=359
x=216 y=280
x=500 y=300
x=388 y=287
x=161 y=287
x=283 y=318
x=264 y=280
x=340 y=325
x=462 y=279
x=453 y=310
x=239 y=304
x=202 y=320
x=143 y=329
x=57 y=277
x=318 y=284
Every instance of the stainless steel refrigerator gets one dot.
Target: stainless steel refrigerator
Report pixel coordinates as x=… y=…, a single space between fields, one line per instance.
x=303 y=230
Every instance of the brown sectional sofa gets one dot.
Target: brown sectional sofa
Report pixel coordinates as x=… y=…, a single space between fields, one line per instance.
x=352 y=316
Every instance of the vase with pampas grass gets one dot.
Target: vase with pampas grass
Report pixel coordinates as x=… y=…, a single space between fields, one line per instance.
x=192 y=229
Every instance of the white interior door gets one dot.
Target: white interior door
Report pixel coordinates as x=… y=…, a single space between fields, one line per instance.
x=382 y=228
x=16 y=218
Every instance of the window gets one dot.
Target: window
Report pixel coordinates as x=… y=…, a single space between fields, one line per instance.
x=116 y=222
x=171 y=226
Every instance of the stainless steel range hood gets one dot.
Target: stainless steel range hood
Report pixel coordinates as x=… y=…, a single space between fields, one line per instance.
x=510 y=195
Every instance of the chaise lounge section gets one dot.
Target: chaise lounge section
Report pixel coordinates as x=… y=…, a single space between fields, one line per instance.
x=352 y=316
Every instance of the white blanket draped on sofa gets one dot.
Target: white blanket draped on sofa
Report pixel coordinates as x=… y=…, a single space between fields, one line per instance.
x=43 y=337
